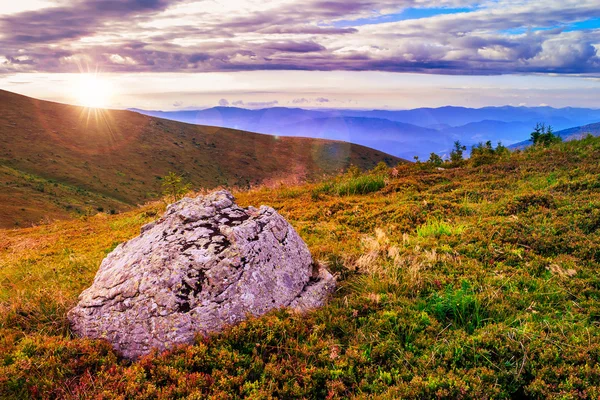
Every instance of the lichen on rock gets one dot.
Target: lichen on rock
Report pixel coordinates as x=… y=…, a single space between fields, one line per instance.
x=205 y=264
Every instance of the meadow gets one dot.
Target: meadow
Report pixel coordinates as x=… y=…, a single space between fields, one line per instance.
x=476 y=280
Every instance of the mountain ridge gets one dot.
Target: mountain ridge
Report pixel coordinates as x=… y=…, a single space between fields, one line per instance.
x=114 y=159
x=469 y=125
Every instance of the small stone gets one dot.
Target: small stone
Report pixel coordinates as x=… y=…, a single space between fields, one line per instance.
x=205 y=264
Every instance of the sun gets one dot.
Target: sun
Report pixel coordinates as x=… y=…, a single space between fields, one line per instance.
x=92 y=91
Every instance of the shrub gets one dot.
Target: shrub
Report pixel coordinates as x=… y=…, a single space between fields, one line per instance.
x=353 y=171
x=523 y=203
x=380 y=169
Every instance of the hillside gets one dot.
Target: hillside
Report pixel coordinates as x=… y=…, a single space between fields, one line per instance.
x=576 y=133
x=472 y=282
x=58 y=160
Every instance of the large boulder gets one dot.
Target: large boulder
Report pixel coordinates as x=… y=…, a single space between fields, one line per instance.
x=205 y=264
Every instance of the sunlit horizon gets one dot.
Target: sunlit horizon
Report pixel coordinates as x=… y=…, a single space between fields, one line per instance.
x=304 y=89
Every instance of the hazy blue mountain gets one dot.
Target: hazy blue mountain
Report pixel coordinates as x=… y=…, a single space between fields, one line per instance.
x=266 y=120
x=561 y=118
x=395 y=137
x=578 y=132
x=496 y=131
x=457 y=116
x=403 y=133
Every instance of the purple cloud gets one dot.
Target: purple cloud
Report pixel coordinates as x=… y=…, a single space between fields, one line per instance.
x=295 y=47
x=156 y=36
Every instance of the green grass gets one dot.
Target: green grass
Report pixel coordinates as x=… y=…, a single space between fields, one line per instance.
x=460 y=307
x=437 y=228
x=477 y=282
x=360 y=185
x=351 y=185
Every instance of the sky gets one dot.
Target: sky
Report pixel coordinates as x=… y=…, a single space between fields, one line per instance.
x=389 y=54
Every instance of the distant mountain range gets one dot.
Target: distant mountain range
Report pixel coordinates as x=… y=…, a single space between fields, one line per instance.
x=403 y=133
x=567 y=134
x=58 y=160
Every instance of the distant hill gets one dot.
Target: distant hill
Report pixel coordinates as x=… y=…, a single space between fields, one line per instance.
x=496 y=131
x=262 y=120
x=458 y=116
x=567 y=135
x=58 y=160
x=395 y=137
x=404 y=133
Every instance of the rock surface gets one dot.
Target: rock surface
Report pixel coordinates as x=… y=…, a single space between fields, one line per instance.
x=206 y=263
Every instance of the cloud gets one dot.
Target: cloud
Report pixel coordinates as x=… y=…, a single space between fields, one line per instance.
x=535 y=36
x=295 y=47
x=74 y=20
x=255 y=104
x=118 y=59
x=261 y=104
x=303 y=100
x=223 y=102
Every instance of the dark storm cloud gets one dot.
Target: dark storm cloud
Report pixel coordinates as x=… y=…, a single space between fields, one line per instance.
x=137 y=36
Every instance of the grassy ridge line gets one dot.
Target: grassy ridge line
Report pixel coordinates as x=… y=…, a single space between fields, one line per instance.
x=123 y=155
x=462 y=283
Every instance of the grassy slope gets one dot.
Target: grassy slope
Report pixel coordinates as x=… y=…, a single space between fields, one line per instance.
x=115 y=159
x=466 y=283
x=26 y=198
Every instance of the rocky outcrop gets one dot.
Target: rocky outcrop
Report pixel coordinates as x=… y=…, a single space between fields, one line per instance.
x=205 y=264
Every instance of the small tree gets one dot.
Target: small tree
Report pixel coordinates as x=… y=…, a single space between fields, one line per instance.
x=435 y=160
x=456 y=155
x=484 y=153
x=174 y=187
x=537 y=132
x=544 y=136
x=501 y=150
